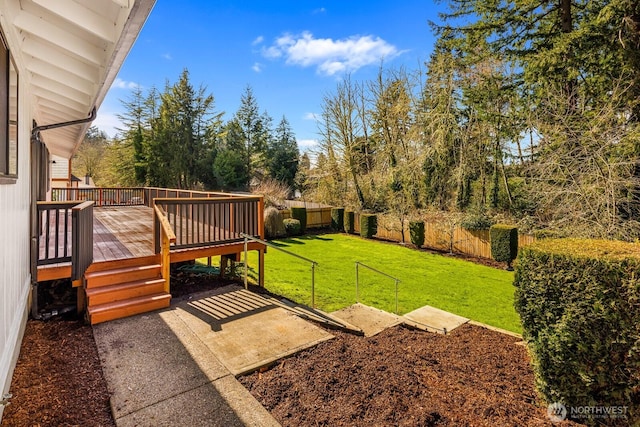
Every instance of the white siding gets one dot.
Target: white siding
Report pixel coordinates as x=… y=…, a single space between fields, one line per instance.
x=15 y=279
x=59 y=167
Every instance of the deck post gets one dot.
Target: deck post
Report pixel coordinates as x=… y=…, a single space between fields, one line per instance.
x=166 y=262
x=261 y=217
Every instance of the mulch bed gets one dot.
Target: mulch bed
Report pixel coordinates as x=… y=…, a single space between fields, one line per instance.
x=402 y=377
x=58 y=378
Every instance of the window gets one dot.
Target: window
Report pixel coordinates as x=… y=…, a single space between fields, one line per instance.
x=8 y=116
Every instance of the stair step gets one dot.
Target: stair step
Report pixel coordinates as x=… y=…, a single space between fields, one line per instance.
x=122 y=263
x=119 y=309
x=123 y=291
x=122 y=275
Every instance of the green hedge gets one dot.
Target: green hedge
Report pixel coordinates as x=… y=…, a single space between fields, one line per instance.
x=337 y=219
x=368 y=225
x=504 y=243
x=416 y=232
x=349 y=222
x=579 y=303
x=301 y=215
x=293 y=227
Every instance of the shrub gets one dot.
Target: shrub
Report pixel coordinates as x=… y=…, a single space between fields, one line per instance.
x=504 y=243
x=274 y=192
x=273 y=223
x=337 y=219
x=416 y=231
x=349 y=222
x=578 y=303
x=368 y=225
x=293 y=227
x=301 y=215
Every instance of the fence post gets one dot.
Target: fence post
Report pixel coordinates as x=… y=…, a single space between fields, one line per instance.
x=357 y=290
x=246 y=285
x=313 y=286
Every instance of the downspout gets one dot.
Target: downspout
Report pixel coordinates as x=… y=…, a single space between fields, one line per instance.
x=35 y=138
x=36 y=130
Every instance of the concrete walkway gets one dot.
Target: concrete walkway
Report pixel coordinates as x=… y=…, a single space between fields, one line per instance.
x=177 y=366
x=372 y=321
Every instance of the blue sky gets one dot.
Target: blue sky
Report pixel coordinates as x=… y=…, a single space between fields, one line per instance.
x=291 y=53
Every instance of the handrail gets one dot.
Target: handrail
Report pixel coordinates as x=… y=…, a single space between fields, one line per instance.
x=246 y=238
x=358 y=263
x=167 y=236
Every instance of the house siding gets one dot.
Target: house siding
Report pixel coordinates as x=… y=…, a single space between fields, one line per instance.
x=15 y=276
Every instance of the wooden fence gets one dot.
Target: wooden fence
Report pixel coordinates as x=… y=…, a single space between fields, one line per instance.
x=316 y=217
x=457 y=239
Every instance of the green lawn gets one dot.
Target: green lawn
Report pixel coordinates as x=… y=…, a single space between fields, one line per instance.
x=480 y=293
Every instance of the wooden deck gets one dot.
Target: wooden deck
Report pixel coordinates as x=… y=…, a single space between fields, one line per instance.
x=123 y=233
x=108 y=236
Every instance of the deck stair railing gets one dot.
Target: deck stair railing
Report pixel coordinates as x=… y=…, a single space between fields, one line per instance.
x=395 y=279
x=271 y=245
x=164 y=237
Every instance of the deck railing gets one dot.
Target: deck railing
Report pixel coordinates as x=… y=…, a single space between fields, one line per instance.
x=66 y=235
x=125 y=196
x=196 y=218
x=208 y=221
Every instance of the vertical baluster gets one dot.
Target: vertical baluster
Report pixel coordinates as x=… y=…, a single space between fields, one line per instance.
x=57 y=240
x=66 y=232
x=47 y=229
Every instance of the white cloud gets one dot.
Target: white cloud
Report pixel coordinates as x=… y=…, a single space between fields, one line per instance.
x=167 y=56
x=257 y=67
x=123 y=84
x=320 y=10
x=330 y=56
x=108 y=122
x=306 y=144
x=311 y=116
x=258 y=40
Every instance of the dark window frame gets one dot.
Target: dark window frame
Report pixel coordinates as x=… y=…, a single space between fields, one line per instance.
x=8 y=115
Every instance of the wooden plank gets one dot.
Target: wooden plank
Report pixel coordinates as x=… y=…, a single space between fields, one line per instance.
x=54 y=272
x=226 y=249
x=131 y=226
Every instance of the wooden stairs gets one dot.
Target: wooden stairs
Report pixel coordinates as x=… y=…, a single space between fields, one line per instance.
x=126 y=288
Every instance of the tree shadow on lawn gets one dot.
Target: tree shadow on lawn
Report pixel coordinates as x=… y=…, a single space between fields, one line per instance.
x=299 y=240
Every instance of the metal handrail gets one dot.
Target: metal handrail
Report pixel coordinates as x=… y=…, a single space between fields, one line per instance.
x=247 y=237
x=358 y=263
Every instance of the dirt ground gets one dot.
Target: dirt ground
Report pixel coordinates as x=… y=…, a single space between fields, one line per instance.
x=400 y=377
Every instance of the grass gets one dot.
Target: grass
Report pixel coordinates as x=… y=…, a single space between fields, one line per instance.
x=471 y=290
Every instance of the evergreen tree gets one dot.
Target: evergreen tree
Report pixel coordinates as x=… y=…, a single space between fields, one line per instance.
x=255 y=132
x=283 y=154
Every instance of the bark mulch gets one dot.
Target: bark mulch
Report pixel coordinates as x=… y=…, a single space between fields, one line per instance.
x=58 y=378
x=402 y=377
